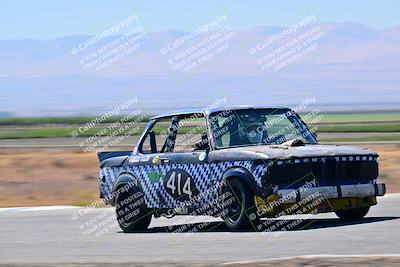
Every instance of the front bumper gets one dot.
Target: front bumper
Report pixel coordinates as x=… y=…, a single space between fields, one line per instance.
x=287 y=196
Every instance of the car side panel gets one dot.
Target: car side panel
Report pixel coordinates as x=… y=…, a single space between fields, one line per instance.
x=152 y=175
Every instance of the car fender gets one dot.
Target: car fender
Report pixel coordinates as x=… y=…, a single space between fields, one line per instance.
x=243 y=174
x=125 y=178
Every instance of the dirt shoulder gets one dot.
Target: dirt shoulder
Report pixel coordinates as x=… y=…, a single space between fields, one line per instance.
x=30 y=177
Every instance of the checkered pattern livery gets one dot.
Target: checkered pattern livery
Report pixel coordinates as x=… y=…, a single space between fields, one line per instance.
x=259 y=172
x=205 y=176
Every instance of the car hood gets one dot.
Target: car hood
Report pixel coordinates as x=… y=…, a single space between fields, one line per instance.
x=281 y=151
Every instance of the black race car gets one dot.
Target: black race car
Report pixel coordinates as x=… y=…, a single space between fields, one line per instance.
x=241 y=164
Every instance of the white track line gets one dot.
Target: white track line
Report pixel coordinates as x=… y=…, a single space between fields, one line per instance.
x=38 y=208
x=313 y=256
x=391 y=195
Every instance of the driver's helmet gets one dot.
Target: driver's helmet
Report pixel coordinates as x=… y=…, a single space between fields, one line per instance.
x=252 y=128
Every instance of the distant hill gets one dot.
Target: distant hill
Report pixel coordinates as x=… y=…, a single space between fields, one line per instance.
x=351 y=64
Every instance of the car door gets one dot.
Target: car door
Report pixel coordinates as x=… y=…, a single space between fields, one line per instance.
x=183 y=167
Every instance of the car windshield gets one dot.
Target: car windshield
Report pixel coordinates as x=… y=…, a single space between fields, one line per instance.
x=232 y=128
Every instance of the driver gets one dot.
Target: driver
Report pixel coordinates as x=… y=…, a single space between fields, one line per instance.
x=251 y=129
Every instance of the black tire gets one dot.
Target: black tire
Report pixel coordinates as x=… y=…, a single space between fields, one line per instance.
x=131 y=211
x=239 y=210
x=352 y=214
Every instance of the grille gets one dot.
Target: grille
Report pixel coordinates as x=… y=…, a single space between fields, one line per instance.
x=338 y=170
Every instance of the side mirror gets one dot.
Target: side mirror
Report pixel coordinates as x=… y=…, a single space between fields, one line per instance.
x=153 y=144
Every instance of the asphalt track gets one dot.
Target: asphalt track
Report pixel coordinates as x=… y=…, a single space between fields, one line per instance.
x=63 y=235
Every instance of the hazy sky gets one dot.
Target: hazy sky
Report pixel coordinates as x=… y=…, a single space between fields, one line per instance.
x=41 y=19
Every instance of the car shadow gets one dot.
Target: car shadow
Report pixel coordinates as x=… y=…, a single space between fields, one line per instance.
x=266 y=225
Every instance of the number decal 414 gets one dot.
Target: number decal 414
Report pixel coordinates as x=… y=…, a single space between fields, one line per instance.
x=180 y=185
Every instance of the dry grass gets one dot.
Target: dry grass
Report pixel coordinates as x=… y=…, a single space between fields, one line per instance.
x=47 y=177
x=389 y=166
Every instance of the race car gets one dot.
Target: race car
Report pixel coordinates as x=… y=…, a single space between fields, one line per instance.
x=239 y=163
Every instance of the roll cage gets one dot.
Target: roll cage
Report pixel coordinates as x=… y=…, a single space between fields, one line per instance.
x=175 y=118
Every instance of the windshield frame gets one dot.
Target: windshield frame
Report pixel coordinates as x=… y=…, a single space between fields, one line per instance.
x=272 y=110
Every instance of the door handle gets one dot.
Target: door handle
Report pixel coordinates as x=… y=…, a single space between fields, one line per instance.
x=164 y=160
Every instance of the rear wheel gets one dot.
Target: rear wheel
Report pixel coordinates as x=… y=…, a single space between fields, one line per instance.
x=132 y=213
x=238 y=203
x=352 y=214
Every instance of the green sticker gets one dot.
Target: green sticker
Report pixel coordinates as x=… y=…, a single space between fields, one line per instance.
x=154 y=177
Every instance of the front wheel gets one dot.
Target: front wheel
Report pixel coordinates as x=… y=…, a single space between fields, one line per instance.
x=352 y=214
x=131 y=211
x=238 y=205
